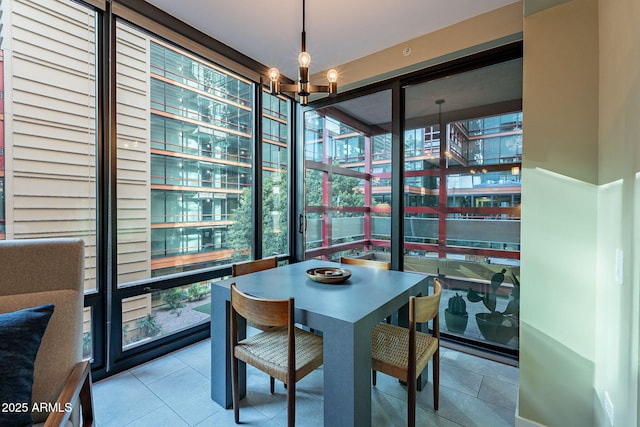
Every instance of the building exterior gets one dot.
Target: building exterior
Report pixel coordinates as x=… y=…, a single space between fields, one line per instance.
x=199 y=130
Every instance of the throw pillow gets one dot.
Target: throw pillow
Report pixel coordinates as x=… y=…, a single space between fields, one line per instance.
x=20 y=335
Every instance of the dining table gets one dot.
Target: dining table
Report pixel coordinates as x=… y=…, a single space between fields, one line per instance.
x=344 y=313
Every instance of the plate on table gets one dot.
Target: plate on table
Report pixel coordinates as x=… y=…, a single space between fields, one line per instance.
x=328 y=274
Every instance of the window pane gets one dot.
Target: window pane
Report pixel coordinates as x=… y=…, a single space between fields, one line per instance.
x=87 y=335
x=185 y=153
x=347 y=179
x=150 y=316
x=48 y=165
x=275 y=175
x=462 y=206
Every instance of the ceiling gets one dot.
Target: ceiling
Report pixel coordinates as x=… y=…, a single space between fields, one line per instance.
x=494 y=85
x=338 y=31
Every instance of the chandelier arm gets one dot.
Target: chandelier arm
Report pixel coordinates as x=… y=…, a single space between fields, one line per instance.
x=317 y=88
x=288 y=87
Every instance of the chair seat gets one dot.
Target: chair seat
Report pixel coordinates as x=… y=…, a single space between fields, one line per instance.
x=264 y=327
x=389 y=350
x=267 y=351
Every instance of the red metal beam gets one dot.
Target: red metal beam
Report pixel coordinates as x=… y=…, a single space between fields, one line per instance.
x=367 y=188
x=325 y=252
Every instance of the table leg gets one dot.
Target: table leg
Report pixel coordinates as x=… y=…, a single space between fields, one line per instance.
x=347 y=376
x=221 y=350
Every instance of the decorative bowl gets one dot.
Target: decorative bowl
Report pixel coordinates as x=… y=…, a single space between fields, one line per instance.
x=328 y=275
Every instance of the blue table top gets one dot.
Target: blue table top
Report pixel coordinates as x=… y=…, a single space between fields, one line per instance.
x=368 y=292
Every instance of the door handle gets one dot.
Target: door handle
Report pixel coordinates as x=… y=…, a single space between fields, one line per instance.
x=302 y=226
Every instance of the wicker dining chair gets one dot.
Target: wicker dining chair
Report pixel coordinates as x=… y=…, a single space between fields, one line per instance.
x=403 y=353
x=362 y=262
x=248 y=267
x=287 y=354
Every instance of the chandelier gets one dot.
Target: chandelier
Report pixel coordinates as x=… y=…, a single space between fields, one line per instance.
x=303 y=88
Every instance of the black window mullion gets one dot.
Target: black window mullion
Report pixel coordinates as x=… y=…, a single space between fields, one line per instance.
x=397 y=176
x=256 y=188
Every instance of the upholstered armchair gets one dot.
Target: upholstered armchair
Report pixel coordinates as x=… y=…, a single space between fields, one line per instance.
x=35 y=274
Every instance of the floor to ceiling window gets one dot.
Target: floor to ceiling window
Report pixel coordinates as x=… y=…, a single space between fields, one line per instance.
x=276 y=134
x=195 y=144
x=185 y=182
x=462 y=153
x=185 y=153
x=48 y=142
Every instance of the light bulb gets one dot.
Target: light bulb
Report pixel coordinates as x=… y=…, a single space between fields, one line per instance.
x=304 y=59
x=332 y=75
x=274 y=74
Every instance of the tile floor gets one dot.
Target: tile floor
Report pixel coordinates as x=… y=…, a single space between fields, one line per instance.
x=173 y=391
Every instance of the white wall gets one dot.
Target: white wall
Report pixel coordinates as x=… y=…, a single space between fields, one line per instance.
x=580 y=207
x=617 y=317
x=559 y=215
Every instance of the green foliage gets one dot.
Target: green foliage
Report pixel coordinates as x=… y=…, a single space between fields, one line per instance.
x=275 y=216
x=489 y=298
x=240 y=232
x=125 y=335
x=275 y=219
x=513 y=307
x=457 y=305
x=197 y=291
x=86 y=344
x=149 y=325
x=345 y=191
x=174 y=298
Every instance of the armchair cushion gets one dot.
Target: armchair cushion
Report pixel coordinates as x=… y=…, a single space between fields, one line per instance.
x=20 y=336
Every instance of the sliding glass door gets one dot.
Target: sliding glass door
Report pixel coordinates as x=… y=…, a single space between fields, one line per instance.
x=458 y=214
x=462 y=159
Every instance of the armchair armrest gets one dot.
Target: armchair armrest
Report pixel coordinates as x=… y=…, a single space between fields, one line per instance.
x=76 y=390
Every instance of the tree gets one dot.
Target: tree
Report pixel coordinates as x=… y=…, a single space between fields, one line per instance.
x=275 y=216
x=240 y=232
x=275 y=224
x=345 y=191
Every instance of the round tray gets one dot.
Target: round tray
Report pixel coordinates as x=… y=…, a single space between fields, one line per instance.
x=328 y=274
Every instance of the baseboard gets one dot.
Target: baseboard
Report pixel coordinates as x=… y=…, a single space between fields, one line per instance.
x=480 y=352
x=524 y=422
